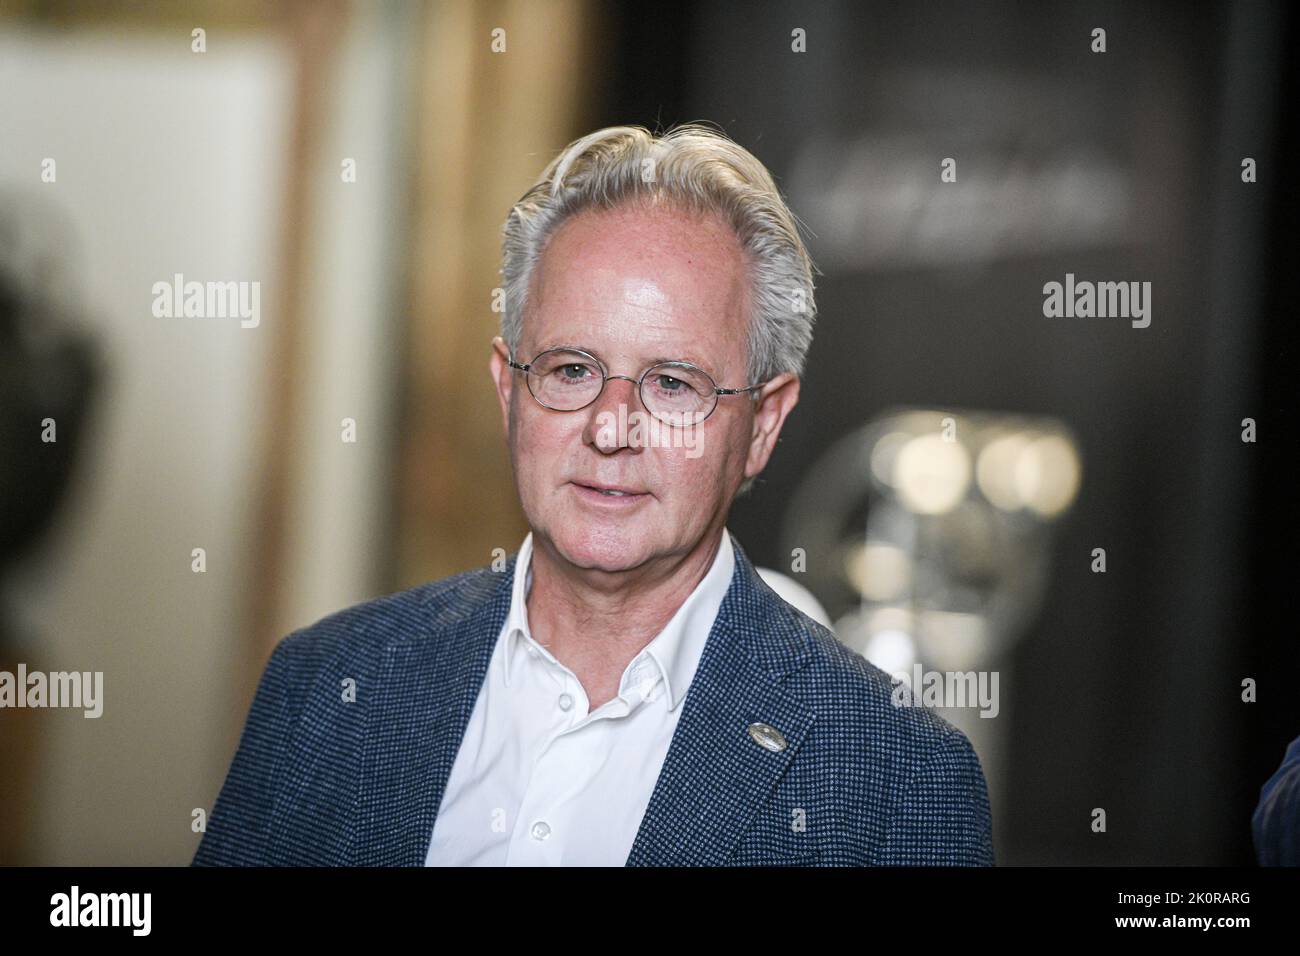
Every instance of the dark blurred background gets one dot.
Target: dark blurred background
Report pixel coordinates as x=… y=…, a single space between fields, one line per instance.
x=1120 y=690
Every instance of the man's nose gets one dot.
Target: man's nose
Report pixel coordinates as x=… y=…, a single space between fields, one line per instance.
x=607 y=429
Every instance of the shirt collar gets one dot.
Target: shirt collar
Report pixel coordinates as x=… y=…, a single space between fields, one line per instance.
x=676 y=650
x=516 y=626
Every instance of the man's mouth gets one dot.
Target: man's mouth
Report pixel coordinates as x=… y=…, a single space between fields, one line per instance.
x=611 y=491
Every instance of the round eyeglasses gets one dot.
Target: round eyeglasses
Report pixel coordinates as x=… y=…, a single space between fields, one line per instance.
x=677 y=393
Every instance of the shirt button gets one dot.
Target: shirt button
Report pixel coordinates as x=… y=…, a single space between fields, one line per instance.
x=532 y=651
x=565 y=702
x=541 y=830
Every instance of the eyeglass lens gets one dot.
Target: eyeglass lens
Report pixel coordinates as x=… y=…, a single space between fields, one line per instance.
x=567 y=380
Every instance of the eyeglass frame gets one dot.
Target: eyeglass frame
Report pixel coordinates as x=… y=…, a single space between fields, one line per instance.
x=639 y=383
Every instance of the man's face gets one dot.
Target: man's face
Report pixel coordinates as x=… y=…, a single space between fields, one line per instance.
x=634 y=287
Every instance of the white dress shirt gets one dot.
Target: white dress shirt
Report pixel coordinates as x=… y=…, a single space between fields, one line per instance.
x=541 y=781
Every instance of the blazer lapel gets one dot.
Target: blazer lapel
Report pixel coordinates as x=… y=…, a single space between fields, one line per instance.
x=715 y=776
x=427 y=689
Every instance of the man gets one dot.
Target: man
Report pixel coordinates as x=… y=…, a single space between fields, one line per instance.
x=1275 y=824
x=626 y=689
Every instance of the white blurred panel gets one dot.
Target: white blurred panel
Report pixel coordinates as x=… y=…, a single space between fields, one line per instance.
x=168 y=162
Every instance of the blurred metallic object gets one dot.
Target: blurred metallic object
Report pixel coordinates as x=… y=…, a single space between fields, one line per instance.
x=937 y=526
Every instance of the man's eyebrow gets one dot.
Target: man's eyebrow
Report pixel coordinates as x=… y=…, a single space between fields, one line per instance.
x=656 y=360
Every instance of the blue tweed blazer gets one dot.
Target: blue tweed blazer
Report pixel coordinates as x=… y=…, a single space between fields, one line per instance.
x=318 y=780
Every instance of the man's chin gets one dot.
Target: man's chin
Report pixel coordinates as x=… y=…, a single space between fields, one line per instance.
x=601 y=549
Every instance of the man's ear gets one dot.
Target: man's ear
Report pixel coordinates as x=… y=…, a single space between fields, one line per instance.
x=776 y=400
x=503 y=378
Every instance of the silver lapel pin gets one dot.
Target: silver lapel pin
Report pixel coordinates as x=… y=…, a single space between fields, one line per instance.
x=767 y=737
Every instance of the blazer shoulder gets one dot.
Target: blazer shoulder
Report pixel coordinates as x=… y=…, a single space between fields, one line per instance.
x=298 y=748
x=851 y=692
x=364 y=630
x=926 y=799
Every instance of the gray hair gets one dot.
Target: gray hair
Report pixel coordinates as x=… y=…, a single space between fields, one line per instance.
x=699 y=169
x=694 y=168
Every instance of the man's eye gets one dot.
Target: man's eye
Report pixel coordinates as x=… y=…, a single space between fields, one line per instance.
x=574 y=372
x=670 y=384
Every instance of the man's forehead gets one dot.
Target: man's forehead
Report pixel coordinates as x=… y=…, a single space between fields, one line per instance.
x=612 y=249
x=641 y=339
x=629 y=303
